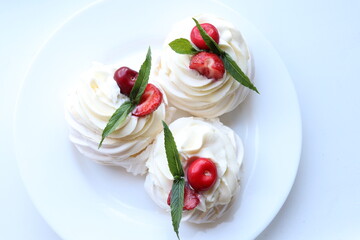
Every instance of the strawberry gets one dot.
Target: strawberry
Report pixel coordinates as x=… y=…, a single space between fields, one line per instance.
x=149 y=102
x=125 y=79
x=208 y=64
x=197 y=39
x=191 y=198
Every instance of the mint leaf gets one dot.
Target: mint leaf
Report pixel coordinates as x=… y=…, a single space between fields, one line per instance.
x=172 y=153
x=116 y=119
x=177 y=203
x=177 y=191
x=235 y=71
x=208 y=40
x=183 y=46
x=142 y=79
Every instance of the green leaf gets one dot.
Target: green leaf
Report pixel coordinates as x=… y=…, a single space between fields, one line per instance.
x=177 y=203
x=172 y=153
x=235 y=71
x=208 y=40
x=177 y=191
x=142 y=79
x=116 y=119
x=183 y=46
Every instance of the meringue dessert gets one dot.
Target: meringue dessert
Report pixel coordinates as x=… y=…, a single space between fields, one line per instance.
x=204 y=143
x=198 y=84
x=89 y=107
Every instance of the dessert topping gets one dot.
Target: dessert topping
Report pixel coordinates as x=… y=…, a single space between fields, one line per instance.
x=177 y=191
x=125 y=78
x=191 y=198
x=196 y=38
x=201 y=174
x=149 y=101
x=208 y=64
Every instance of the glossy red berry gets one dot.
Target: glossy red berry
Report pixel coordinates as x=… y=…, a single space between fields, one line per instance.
x=191 y=198
x=125 y=79
x=210 y=29
x=208 y=64
x=202 y=174
x=149 y=102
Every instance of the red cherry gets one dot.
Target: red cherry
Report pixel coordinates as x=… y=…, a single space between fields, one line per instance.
x=149 y=102
x=202 y=174
x=208 y=64
x=210 y=29
x=125 y=79
x=191 y=198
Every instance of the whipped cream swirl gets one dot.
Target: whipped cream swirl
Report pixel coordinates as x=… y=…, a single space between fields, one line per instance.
x=201 y=138
x=89 y=107
x=186 y=89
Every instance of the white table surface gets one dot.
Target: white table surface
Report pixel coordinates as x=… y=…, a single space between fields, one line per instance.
x=319 y=41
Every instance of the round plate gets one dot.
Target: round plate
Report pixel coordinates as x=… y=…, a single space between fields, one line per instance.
x=83 y=200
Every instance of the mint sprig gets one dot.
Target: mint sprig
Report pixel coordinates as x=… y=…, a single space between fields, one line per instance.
x=142 y=79
x=181 y=46
x=177 y=190
x=172 y=153
x=177 y=203
x=120 y=115
x=116 y=119
x=235 y=71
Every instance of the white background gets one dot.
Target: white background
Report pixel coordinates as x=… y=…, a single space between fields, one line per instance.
x=319 y=41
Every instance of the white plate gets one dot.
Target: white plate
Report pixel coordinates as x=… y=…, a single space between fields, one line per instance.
x=83 y=200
